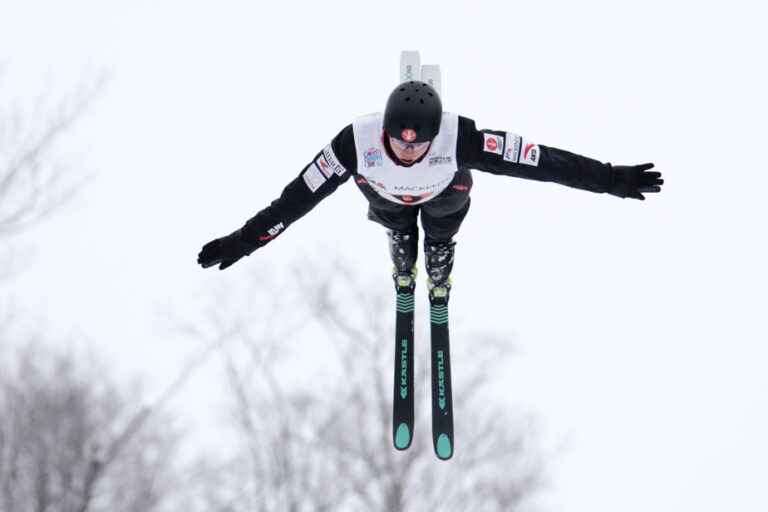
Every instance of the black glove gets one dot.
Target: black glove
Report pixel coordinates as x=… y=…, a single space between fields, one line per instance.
x=631 y=180
x=225 y=250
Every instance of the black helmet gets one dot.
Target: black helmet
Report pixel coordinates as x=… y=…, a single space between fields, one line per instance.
x=413 y=112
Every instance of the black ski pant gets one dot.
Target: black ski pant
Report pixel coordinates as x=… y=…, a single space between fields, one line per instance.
x=441 y=217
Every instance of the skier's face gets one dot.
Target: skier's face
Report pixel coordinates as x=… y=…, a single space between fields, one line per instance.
x=408 y=152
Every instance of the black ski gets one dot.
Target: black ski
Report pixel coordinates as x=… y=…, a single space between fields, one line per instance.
x=402 y=418
x=442 y=397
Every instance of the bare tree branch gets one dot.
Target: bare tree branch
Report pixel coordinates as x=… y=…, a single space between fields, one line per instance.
x=33 y=181
x=63 y=447
x=329 y=447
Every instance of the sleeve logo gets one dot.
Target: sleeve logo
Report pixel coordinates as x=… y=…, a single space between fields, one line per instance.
x=493 y=143
x=512 y=147
x=273 y=232
x=531 y=154
x=313 y=177
x=333 y=162
x=322 y=164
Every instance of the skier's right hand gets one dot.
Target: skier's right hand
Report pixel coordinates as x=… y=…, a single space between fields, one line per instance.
x=224 y=251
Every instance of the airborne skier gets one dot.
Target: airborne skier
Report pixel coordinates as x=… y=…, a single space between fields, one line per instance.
x=414 y=160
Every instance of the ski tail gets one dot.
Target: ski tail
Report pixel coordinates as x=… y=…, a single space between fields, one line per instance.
x=410 y=66
x=430 y=73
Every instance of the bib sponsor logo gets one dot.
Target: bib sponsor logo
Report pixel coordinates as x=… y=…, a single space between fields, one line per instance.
x=372 y=158
x=313 y=177
x=376 y=184
x=409 y=199
x=531 y=154
x=422 y=188
x=439 y=160
x=493 y=143
x=512 y=147
x=330 y=157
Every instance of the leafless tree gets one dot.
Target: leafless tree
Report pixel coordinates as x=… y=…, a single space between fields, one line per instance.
x=34 y=180
x=72 y=441
x=326 y=445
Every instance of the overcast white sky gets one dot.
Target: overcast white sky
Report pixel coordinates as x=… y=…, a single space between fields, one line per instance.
x=641 y=326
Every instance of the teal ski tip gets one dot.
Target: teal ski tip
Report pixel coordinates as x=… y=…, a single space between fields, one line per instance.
x=443 y=448
x=402 y=437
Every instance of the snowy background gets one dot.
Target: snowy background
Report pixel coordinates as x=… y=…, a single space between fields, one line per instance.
x=640 y=327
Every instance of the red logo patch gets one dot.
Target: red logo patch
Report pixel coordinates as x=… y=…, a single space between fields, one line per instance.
x=408 y=135
x=491 y=144
x=528 y=148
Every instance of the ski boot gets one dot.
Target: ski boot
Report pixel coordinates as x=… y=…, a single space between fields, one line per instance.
x=403 y=248
x=439 y=262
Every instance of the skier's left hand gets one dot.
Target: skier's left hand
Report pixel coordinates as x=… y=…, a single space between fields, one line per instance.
x=635 y=180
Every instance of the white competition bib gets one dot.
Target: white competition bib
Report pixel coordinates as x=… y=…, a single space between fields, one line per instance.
x=405 y=185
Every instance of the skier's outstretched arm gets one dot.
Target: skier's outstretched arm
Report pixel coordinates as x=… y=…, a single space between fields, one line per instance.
x=330 y=168
x=505 y=153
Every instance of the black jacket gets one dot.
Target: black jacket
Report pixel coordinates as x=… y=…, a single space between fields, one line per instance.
x=555 y=165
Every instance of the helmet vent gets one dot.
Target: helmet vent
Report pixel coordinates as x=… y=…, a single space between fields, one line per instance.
x=413 y=105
